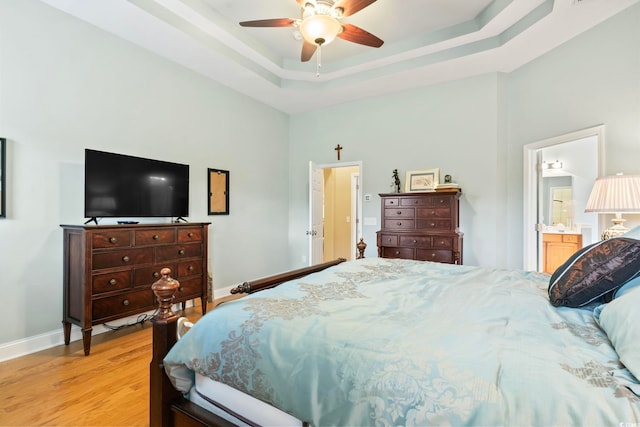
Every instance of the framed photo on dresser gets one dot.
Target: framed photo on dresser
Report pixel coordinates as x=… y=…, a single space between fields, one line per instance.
x=424 y=180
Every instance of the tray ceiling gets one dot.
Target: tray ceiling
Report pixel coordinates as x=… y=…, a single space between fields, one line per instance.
x=426 y=42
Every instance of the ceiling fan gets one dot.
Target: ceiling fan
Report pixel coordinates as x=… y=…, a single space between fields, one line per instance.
x=321 y=23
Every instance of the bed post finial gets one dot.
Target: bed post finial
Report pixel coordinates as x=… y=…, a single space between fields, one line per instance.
x=165 y=288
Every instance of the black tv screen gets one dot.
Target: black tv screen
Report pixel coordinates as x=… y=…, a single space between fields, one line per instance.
x=123 y=186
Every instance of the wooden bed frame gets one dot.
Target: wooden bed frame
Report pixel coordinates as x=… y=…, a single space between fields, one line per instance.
x=167 y=405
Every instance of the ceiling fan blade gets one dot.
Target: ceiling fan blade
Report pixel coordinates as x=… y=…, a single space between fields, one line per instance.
x=279 y=22
x=358 y=35
x=308 y=49
x=352 y=6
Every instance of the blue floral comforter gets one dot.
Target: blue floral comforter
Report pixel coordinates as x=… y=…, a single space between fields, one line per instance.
x=397 y=342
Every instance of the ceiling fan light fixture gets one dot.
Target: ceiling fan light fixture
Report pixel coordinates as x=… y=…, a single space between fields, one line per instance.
x=320 y=29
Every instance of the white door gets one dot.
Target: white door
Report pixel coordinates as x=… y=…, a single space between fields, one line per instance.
x=316 y=217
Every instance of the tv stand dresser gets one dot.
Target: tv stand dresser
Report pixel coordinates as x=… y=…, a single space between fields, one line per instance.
x=109 y=269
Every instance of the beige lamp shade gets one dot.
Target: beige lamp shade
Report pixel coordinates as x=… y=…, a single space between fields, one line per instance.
x=615 y=194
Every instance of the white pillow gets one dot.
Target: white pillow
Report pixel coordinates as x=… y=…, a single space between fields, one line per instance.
x=620 y=319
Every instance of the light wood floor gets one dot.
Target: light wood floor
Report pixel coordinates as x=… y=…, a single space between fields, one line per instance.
x=62 y=387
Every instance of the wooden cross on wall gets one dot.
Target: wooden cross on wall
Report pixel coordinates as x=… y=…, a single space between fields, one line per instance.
x=338 y=148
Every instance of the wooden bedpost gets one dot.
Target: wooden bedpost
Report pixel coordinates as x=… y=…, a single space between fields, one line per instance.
x=164 y=337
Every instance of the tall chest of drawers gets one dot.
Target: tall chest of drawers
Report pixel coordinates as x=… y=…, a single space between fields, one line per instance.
x=109 y=269
x=421 y=226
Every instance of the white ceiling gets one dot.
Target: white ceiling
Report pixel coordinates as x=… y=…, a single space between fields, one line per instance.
x=426 y=42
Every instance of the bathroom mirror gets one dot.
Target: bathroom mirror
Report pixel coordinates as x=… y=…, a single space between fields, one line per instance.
x=3 y=179
x=218 y=192
x=561 y=209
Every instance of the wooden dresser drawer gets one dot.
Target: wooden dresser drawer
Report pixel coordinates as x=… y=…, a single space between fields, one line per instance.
x=433 y=224
x=399 y=224
x=414 y=201
x=440 y=201
x=388 y=240
x=122 y=258
x=111 y=239
x=390 y=202
x=189 y=235
x=405 y=253
x=188 y=288
x=175 y=252
x=147 y=276
x=434 y=255
x=118 y=305
x=399 y=213
x=189 y=268
x=113 y=281
x=416 y=241
x=155 y=237
x=433 y=213
x=438 y=242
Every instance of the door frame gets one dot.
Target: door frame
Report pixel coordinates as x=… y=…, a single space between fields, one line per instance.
x=358 y=211
x=530 y=185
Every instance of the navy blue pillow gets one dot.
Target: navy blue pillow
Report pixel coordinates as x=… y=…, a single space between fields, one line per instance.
x=595 y=272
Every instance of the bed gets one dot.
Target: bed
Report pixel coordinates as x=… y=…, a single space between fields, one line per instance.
x=398 y=342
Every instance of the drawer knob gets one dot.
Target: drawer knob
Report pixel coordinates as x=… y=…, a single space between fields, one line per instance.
x=441 y=200
x=190 y=234
x=433 y=255
x=181 y=252
x=397 y=252
x=156 y=274
x=433 y=212
x=399 y=212
x=432 y=224
x=112 y=240
x=156 y=237
x=415 y=241
x=190 y=268
x=113 y=282
x=125 y=302
x=126 y=258
x=391 y=202
x=180 y=289
x=399 y=223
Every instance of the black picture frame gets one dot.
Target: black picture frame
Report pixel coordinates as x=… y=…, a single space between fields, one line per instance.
x=218 y=191
x=3 y=178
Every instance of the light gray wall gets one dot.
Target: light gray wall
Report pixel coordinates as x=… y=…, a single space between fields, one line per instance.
x=452 y=127
x=66 y=86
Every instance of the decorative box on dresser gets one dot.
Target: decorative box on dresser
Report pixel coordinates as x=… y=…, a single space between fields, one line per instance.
x=109 y=269
x=421 y=226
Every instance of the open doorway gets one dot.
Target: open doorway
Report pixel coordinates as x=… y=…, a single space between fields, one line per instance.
x=335 y=211
x=559 y=173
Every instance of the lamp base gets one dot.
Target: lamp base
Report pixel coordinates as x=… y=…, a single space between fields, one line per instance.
x=616 y=230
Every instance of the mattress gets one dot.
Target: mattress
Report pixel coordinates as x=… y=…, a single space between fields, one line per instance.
x=222 y=400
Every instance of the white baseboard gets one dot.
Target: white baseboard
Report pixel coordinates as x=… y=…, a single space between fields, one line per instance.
x=224 y=292
x=24 y=346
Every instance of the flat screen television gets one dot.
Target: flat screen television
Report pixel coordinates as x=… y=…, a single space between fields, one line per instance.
x=117 y=185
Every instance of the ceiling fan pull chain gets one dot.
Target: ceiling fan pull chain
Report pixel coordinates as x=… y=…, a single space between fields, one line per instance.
x=319 y=60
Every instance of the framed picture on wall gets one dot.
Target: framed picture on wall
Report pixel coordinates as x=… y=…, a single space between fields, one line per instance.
x=424 y=180
x=218 y=191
